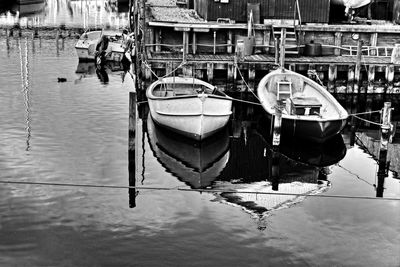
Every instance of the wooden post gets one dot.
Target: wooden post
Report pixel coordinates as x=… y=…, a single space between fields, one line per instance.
x=275 y=170
x=151 y=39
x=338 y=42
x=187 y=70
x=277 y=45
x=194 y=43
x=357 y=71
x=386 y=125
x=350 y=79
x=381 y=172
x=353 y=131
x=147 y=73
x=282 y=48
x=389 y=73
x=371 y=78
x=158 y=40
x=229 y=42
x=276 y=136
x=266 y=40
x=168 y=67
x=374 y=42
x=210 y=72
x=185 y=44
x=214 y=42
x=230 y=69
x=332 y=76
x=131 y=149
x=252 y=75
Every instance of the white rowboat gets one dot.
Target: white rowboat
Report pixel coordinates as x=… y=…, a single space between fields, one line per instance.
x=189 y=106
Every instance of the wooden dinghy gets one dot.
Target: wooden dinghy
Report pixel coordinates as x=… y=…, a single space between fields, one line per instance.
x=309 y=110
x=189 y=106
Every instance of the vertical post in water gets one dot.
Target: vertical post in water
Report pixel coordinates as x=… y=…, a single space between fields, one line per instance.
x=353 y=131
x=131 y=149
x=386 y=125
x=275 y=170
x=381 y=172
x=276 y=136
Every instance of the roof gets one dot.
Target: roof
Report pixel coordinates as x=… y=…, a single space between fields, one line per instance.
x=175 y=14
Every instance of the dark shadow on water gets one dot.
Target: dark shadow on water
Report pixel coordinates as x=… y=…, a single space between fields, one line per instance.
x=244 y=160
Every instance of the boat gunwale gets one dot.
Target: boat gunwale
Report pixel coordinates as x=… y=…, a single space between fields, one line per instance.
x=183 y=80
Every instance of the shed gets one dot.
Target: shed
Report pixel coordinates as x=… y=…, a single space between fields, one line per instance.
x=236 y=10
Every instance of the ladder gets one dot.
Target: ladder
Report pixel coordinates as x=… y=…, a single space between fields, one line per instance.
x=291 y=47
x=284 y=90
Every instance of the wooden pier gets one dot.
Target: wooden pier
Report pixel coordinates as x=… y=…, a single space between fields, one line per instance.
x=228 y=51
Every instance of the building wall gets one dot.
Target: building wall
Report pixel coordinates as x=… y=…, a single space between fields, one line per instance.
x=311 y=10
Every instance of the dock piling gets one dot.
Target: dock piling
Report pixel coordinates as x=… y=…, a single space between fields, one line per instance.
x=386 y=125
x=276 y=135
x=357 y=71
x=131 y=149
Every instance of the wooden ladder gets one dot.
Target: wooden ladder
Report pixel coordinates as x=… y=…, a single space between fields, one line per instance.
x=284 y=90
x=291 y=47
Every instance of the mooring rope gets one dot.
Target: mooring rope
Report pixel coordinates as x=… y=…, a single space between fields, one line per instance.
x=367 y=112
x=193 y=190
x=248 y=87
x=167 y=74
x=372 y=122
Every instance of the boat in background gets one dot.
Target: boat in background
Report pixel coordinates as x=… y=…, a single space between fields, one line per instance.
x=189 y=106
x=86 y=47
x=351 y=3
x=196 y=164
x=309 y=111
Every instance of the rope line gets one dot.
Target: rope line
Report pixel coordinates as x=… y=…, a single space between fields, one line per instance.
x=193 y=190
x=245 y=101
x=248 y=87
x=372 y=122
x=367 y=112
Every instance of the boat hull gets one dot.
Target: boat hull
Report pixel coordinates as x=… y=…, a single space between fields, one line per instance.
x=192 y=116
x=315 y=131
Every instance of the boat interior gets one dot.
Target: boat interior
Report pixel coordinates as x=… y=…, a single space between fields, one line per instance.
x=299 y=97
x=183 y=89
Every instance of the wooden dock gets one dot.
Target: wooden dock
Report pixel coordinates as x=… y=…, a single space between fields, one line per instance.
x=231 y=50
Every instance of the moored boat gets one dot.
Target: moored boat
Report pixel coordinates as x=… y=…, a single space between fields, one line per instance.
x=309 y=110
x=189 y=106
x=89 y=41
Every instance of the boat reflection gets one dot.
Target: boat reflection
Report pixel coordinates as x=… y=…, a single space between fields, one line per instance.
x=89 y=69
x=246 y=170
x=195 y=163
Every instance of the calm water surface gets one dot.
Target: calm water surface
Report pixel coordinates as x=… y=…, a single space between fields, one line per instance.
x=77 y=132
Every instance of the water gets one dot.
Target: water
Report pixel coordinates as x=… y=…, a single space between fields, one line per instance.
x=77 y=132
x=69 y=13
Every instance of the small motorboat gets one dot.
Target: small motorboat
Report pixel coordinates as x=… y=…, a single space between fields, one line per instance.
x=309 y=111
x=93 y=42
x=189 y=106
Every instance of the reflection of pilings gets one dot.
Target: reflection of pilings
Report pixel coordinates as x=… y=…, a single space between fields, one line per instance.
x=131 y=151
x=381 y=173
x=275 y=170
x=24 y=64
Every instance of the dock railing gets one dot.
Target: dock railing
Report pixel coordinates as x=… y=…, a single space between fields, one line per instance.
x=345 y=50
